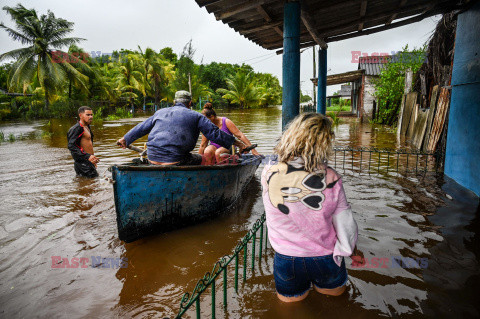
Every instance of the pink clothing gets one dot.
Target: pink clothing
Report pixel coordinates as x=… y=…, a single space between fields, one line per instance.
x=307 y=214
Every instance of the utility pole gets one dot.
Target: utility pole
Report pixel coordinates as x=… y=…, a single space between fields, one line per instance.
x=189 y=84
x=314 y=76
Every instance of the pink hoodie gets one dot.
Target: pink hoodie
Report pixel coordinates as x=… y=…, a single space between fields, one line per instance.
x=307 y=214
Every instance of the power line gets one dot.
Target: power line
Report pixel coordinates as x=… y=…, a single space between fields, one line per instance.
x=261 y=56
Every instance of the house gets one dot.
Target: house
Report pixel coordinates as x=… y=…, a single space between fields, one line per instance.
x=362 y=80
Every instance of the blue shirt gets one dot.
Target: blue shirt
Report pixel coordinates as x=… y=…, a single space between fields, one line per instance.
x=173 y=133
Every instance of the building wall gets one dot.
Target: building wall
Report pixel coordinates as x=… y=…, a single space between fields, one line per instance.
x=462 y=159
x=368 y=92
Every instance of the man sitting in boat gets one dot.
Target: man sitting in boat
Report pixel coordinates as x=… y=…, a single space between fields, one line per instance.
x=173 y=133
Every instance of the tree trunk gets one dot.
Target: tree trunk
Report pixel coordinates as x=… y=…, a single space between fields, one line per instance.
x=157 y=92
x=47 y=103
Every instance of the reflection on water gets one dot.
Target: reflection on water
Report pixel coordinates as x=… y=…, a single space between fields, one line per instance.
x=46 y=211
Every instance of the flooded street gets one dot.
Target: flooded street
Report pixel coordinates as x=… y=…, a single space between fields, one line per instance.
x=46 y=211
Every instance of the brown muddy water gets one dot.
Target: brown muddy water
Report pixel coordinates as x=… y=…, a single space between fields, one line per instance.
x=46 y=211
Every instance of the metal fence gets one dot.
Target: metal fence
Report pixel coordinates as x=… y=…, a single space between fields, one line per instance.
x=220 y=269
x=371 y=160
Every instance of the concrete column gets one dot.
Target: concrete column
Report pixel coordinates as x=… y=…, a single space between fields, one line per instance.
x=462 y=160
x=322 y=81
x=291 y=62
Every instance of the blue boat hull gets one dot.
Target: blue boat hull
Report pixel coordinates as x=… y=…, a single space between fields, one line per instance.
x=153 y=199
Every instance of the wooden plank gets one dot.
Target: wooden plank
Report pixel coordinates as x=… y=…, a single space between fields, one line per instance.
x=431 y=116
x=408 y=81
x=413 y=118
x=410 y=101
x=394 y=16
x=400 y=118
x=247 y=5
x=309 y=23
x=439 y=120
x=363 y=10
x=342 y=24
x=419 y=128
x=383 y=28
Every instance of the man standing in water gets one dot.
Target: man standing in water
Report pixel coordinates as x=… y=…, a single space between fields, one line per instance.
x=80 y=144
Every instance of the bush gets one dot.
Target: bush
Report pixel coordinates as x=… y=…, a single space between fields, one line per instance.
x=390 y=85
x=120 y=113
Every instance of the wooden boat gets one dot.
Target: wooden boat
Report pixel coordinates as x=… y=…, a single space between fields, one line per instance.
x=152 y=199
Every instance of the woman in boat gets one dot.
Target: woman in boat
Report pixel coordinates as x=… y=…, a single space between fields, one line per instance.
x=212 y=152
x=310 y=223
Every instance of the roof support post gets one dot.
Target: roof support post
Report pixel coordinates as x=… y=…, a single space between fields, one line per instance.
x=291 y=62
x=322 y=81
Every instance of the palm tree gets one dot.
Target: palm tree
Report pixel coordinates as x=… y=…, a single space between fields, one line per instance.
x=42 y=35
x=161 y=73
x=130 y=78
x=241 y=90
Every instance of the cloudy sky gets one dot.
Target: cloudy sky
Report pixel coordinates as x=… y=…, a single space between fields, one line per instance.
x=109 y=25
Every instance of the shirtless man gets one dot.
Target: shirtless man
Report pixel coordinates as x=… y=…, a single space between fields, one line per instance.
x=80 y=144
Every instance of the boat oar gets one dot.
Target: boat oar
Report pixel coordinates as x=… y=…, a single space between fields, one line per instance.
x=142 y=151
x=249 y=148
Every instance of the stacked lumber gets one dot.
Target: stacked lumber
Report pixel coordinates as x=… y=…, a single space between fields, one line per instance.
x=439 y=120
x=423 y=127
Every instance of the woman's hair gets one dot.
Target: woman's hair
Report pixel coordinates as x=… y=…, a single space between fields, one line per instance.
x=208 y=110
x=308 y=136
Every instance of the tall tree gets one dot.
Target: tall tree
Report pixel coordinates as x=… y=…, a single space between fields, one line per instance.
x=242 y=90
x=130 y=78
x=42 y=35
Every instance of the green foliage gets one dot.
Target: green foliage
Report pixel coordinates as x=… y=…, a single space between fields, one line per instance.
x=390 y=85
x=120 y=113
x=338 y=108
x=305 y=98
x=58 y=82
x=334 y=117
x=44 y=35
x=168 y=54
x=242 y=90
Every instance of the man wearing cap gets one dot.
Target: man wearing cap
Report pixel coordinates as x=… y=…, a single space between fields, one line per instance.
x=173 y=133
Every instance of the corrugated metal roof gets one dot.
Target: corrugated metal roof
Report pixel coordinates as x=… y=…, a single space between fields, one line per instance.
x=323 y=21
x=374 y=64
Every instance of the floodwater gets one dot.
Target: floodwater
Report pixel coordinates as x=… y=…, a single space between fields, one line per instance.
x=46 y=211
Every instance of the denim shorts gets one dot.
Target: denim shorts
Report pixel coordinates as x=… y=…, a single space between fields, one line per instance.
x=294 y=275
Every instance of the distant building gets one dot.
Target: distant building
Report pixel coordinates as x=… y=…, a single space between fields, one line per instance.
x=372 y=67
x=362 y=89
x=345 y=92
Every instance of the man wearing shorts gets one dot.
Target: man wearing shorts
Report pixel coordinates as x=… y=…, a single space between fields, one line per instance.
x=80 y=144
x=173 y=133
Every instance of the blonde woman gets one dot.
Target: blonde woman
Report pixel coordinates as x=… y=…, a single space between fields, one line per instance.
x=310 y=223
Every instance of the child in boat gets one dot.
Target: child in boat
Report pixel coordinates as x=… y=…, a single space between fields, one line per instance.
x=212 y=152
x=310 y=223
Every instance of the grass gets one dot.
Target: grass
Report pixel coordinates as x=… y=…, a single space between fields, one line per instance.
x=338 y=108
x=120 y=113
